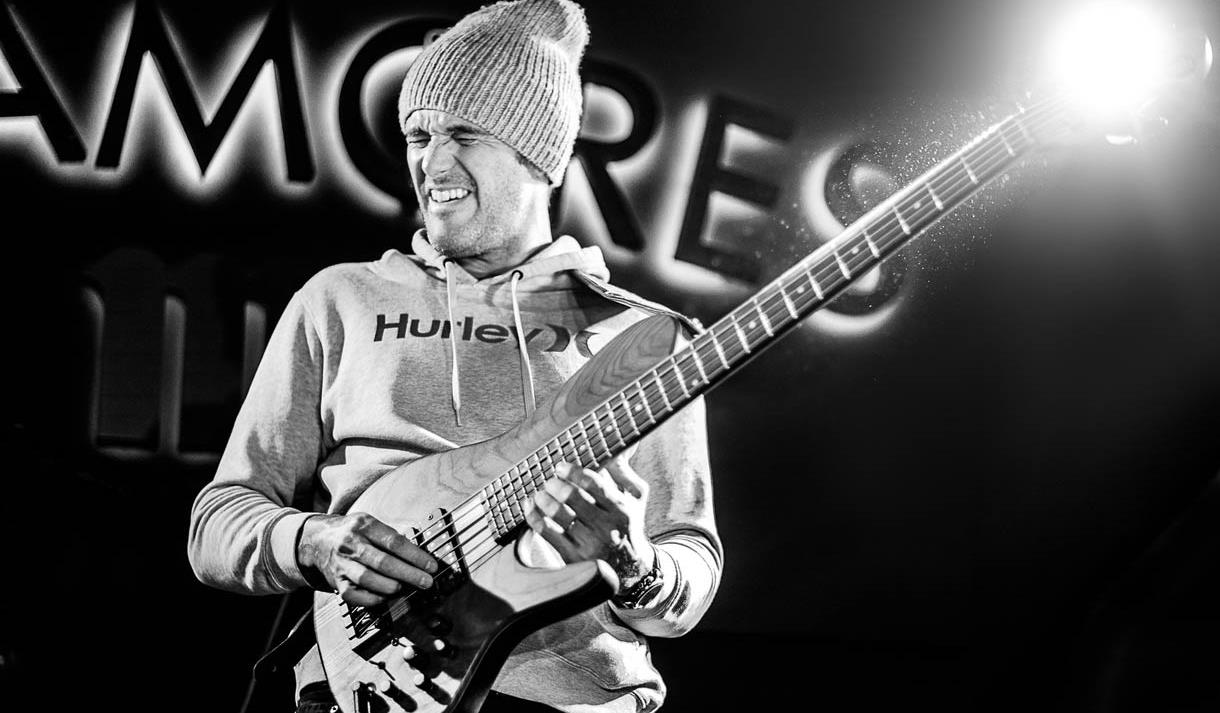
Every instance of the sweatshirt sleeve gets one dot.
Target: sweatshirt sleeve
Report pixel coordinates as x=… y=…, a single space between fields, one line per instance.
x=680 y=524
x=245 y=522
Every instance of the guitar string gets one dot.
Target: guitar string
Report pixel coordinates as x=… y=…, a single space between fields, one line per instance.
x=615 y=414
x=770 y=301
x=985 y=164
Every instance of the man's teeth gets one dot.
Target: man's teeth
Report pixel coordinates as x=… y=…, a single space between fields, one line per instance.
x=448 y=194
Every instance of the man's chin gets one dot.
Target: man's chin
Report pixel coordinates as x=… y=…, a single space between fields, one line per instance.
x=451 y=244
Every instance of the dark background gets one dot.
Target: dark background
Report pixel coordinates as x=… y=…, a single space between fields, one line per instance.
x=982 y=482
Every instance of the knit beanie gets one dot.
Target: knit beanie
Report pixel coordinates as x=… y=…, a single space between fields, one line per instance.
x=512 y=69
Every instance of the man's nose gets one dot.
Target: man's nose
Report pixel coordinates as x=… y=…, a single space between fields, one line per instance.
x=438 y=157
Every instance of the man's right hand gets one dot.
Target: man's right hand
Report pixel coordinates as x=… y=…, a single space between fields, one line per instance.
x=363 y=558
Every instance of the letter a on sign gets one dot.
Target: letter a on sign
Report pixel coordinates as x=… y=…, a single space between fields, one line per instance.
x=34 y=97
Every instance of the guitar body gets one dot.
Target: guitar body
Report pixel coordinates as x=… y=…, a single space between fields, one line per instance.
x=441 y=650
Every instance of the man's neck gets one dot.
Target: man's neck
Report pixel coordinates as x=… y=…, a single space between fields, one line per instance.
x=500 y=260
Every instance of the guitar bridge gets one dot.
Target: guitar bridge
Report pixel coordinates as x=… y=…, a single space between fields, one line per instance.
x=361 y=619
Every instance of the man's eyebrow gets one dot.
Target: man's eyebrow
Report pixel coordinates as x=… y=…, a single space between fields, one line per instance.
x=467 y=129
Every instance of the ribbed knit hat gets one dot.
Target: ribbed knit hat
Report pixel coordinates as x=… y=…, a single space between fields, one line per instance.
x=511 y=68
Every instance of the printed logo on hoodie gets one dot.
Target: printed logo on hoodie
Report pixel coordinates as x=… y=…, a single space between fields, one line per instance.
x=402 y=326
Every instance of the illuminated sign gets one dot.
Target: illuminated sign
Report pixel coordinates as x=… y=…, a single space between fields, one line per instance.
x=148 y=53
x=303 y=123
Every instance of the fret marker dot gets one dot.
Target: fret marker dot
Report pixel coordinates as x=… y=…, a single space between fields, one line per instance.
x=916 y=206
x=800 y=289
x=751 y=324
x=637 y=407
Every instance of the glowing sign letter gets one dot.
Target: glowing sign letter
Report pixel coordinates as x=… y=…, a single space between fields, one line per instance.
x=711 y=176
x=35 y=98
x=387 y=171
x=594 y=155
x=149 y=35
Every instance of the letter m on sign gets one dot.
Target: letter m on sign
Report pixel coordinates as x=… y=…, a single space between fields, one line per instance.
x=150 y=36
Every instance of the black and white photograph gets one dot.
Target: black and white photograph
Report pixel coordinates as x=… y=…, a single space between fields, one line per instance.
x=537 y=356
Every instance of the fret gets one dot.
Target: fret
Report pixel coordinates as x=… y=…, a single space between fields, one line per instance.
x=902 y=223
x=588 y=444
x=498 y=492
x=842 y=265
x=719 y=349
x=506 y=516
x=680 y=378
x=514 y=507
x=817 y=289
x=597 y=425
x=535 y=474
x=572 y=442
x=630 y=418
x=517 y=493
x=664 y=396
x=644 y=402
x=973 y=178
x=1007 y=146
x=510 y=482
x=499 y=522
x=940 y=206
x=513 y=477
x=1017 y=122
x=698 y=364
x=526 y=483
x=550 y=462
x=496 y=524
x=1015 y=141
x=622 y=442
x=788 y=303
x=872 y=247
x=766 y=324
x=741 y=337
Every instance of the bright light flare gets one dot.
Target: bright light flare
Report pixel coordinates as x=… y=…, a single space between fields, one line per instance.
x=1112 y=54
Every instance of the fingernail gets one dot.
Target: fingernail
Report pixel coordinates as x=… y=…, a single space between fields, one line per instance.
x=432 y=566
x=425 y=582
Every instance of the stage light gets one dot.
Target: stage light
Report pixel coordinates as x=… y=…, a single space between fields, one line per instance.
x=1112 y=56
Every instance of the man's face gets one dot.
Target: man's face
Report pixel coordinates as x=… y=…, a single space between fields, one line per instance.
x=475 y=195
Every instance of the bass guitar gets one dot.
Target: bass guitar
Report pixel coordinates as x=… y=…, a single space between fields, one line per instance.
x=441 y=649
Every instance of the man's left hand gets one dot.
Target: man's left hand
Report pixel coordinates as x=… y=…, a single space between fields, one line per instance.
x=587 y=515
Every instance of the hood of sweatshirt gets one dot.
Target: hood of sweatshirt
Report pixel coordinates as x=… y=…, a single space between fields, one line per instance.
x=544 y=269
x=547 y=269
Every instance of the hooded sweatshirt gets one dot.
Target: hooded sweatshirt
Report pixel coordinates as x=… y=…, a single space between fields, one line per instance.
x=375 y=364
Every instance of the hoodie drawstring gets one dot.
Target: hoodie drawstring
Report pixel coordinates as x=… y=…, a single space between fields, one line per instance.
x=527 y=371
x=455 y=385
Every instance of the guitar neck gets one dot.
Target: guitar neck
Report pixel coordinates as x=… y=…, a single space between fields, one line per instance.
x=636 y=410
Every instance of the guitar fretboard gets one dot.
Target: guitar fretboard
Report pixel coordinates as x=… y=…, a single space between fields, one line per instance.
x=643 y=405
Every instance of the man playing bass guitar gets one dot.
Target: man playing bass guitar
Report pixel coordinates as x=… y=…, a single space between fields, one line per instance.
x=373 y=365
